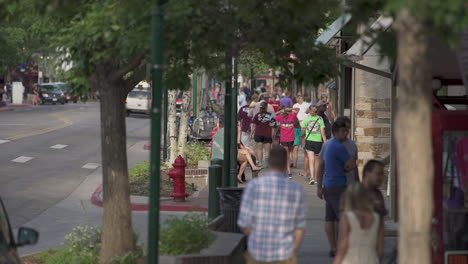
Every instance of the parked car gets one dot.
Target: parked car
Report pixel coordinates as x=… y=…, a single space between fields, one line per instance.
x=138 y=101
x=8 y=246
x=52 y=92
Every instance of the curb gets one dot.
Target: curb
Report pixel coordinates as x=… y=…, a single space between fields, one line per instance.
x=7 y=110
x=97 y=201
x=18 y=105
x=147 y=146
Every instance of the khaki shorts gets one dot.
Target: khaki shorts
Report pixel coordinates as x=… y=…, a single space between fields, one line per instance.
x=251 y=260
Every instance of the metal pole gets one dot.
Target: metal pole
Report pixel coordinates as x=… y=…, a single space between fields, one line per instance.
x=227 y=123
x=195 y=94
x=215 y=179
x=235 y=88
x=253 y=82
x=166 y=101
x=157 y=79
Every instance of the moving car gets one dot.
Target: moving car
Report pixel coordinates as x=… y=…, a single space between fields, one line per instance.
x=8 y=246
x=138 y=101
x=53 y=92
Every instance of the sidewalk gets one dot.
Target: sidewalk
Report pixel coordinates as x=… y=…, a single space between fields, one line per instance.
x=315 y=246
x=59 y=220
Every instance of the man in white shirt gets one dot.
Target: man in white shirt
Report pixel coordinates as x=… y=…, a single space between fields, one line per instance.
x=303 y=106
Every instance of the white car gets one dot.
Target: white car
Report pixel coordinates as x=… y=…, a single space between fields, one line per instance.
x=138 y=101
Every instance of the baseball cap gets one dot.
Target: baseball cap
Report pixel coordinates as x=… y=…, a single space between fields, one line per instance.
x=320 y=103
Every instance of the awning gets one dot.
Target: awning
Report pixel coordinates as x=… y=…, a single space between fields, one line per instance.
x=366 y=41
x=333 y=29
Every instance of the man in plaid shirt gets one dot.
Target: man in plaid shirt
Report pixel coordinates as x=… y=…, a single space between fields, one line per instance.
x=272 y=214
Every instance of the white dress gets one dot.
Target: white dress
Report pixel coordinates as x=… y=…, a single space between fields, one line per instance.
x=362 y=246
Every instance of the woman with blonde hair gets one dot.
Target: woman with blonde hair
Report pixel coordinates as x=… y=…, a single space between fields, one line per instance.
x=361 y=230
x=315 y=137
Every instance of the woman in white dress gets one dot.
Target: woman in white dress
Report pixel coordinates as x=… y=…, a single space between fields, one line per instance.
x=361 y=229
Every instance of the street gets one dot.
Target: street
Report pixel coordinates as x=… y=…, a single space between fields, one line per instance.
x=47 y=151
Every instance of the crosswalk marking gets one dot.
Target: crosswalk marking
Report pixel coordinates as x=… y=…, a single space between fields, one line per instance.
x=58 y=146
x=91 y=166
x=22 y=159
x=4 y=141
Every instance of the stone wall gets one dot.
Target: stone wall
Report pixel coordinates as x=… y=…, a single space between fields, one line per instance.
x=372 y=110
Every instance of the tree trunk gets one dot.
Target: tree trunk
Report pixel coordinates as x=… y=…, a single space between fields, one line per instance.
x=117 y=237
x=414 y=140
x=184 y=117
x=172 y=125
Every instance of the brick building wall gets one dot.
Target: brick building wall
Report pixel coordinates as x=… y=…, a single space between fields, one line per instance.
x=372 y=109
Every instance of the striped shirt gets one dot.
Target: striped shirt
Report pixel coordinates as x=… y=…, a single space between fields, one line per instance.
x=272 y=207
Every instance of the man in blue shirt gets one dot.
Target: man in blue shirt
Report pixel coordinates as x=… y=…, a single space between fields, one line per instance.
x=337 y=162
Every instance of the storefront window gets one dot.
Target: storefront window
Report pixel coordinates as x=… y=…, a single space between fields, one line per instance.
x=455 y=191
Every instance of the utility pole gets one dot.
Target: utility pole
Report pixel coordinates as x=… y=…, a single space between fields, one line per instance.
x=157 y=58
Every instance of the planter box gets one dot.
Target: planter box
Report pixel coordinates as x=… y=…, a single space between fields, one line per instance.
x=228 y=248
x=204 y=164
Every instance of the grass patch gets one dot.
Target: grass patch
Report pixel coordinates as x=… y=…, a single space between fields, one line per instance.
x=139 y=180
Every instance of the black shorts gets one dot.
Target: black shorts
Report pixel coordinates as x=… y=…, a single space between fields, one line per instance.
x=332 y=196
x=263 y=139
x=288 y=144
x=313 y=146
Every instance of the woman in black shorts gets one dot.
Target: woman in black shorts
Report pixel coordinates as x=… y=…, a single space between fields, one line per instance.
x=262 y=132
x=314 y=131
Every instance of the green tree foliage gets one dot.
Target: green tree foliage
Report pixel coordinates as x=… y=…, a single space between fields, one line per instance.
x=447 y=18
x=205 y=31
x=22 y=33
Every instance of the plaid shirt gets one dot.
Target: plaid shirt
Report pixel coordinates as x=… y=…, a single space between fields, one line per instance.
x=272 y=207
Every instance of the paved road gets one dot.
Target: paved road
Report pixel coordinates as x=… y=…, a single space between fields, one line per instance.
x=43 y=150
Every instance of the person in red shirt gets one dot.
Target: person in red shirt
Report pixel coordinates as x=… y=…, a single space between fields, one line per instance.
x=287 y=119
x=275 y=103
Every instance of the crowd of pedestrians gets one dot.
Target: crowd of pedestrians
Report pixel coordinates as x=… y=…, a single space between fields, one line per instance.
x=273 y=129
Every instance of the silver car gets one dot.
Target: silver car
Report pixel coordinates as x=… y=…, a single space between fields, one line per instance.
x=138 y=101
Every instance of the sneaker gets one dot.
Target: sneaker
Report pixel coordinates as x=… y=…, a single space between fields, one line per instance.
x=290 y=176
x=312 y=182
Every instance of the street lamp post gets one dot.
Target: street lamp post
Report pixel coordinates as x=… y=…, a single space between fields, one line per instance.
x=157 y=58
x=233 y=128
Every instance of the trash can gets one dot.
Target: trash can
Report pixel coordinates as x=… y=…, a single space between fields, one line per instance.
x=230 y=206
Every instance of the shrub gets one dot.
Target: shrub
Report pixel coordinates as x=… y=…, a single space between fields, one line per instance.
x=84 y=238
x=186 y=235
x=140 y=172
x=195 y=151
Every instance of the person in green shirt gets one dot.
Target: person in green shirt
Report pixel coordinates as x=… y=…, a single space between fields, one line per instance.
x=314 y=131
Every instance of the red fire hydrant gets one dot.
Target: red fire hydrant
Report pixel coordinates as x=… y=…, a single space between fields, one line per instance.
x=178 y=176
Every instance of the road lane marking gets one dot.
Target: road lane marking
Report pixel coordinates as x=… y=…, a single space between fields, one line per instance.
x=2 y=141
x=22 y=159
x=91 y=166
x=65 y=124
x=58 y=146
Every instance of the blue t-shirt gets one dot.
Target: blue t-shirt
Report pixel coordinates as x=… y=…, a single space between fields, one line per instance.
x=335 y=158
